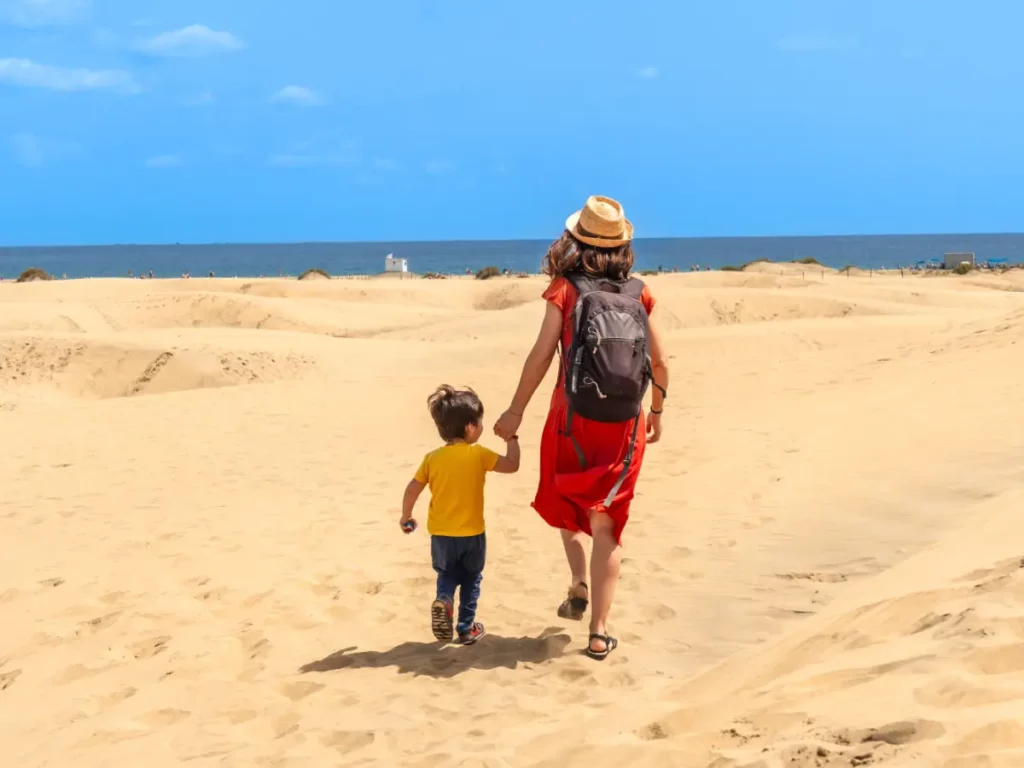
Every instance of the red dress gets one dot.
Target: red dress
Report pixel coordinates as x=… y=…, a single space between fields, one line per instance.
x=566 y=494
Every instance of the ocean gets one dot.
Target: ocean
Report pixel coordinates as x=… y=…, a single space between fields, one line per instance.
x=455 y=257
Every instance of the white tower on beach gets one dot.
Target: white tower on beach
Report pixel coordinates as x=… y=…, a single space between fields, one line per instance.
x=391 y=264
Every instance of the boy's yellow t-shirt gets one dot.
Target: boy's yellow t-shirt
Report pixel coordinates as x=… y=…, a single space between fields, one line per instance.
x=455 y=474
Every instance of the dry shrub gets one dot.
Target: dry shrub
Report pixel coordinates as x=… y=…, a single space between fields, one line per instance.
x=314 y=274
x=34 y=273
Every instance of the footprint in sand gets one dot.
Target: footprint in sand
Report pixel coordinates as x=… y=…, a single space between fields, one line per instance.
x=1000 y=735
x=285 y=725
x=73 y=673
x=7 y=678
x=347 y=742
x=256 y=647
x=161 y=718
x=653 y=732
x=147 y=649
x=814 y=576
x=240 y=716
x=324 y=590
x=900 y=733
x=999 y=660
x=957 y=693
x=662 y=612
x=215 y=594
x=370 y=587
x=111 y=700
x=1002 y=568
x=300 y=690
x=253 y=600
x=575 y=674
x=341 y=612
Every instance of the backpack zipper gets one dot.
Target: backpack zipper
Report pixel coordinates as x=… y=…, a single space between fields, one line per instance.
x=576 y=368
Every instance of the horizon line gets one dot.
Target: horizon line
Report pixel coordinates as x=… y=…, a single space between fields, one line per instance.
x=501 y=240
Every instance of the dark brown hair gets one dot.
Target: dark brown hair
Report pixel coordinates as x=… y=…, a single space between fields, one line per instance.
x=453 y=410
x=567 y=254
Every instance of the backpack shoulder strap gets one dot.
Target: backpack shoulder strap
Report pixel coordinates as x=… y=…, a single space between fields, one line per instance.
x=582 y=283
x=634 y=288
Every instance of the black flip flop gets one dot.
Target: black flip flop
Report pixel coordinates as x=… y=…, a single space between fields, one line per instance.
x=574 y=608
x=610 y=644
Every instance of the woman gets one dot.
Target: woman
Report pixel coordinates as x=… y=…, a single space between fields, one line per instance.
x=592 y=496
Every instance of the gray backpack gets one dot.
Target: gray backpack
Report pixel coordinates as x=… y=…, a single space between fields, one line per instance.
x=607 y=367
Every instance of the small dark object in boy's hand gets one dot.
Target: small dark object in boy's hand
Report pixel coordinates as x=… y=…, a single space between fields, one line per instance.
x=409 y=526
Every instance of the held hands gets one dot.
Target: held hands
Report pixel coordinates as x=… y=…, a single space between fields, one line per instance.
x=508 y=424
x=653 y=427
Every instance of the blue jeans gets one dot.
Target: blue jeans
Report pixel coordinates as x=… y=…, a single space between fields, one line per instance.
x=459 y=562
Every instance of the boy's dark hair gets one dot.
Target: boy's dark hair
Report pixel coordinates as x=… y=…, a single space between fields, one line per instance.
x=453 y=410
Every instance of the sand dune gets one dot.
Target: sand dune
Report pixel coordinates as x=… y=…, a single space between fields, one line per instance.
x=199 y=490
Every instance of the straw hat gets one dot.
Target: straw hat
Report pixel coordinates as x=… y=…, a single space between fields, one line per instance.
x=601 y=223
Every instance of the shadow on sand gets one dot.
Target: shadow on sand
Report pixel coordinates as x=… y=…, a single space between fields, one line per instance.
x=444 y=660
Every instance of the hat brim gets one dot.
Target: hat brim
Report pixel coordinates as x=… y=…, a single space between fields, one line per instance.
x=572 y=224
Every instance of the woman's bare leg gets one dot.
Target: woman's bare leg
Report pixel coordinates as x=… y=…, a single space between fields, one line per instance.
x=576 y=554
x=605 y=559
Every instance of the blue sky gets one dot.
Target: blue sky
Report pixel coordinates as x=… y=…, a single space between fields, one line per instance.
x=223 y=120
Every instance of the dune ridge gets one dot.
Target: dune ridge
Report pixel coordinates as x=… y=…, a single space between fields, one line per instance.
x=199 y=495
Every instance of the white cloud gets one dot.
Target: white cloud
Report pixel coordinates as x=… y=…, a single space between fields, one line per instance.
x=191 y=42
x=300 y=96
x=199 y=99
x=29 y=74
x=165 y=161
x=816 y=44
x=385 y=164
x=309 y=154
x=439 y=167
x=35 y=151
x=43 y=13
x=105 y=37
x=292 y=160
x=648 y=73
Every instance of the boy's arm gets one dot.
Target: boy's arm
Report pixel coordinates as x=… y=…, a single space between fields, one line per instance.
x=412 y=493
x=509 y=463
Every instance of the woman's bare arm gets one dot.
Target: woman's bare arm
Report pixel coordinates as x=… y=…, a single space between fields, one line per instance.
x=659 y=366
x=539 y=360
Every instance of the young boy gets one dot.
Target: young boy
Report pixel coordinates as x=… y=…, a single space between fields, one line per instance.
x=455 y=473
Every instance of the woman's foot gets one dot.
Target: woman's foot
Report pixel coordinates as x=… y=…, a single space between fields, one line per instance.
x=575 y=605
x=601 y=646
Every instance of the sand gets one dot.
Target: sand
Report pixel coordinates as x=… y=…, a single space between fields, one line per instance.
x=201 y=561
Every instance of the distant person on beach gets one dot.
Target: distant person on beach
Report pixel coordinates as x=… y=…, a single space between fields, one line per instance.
x=455 y=473
x=595 y=435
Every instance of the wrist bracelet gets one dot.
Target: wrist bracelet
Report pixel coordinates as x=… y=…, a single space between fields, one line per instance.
x=657 y=413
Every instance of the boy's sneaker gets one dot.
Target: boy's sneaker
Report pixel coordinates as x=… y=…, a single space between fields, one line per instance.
x=441 y=612
x=475 y=633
